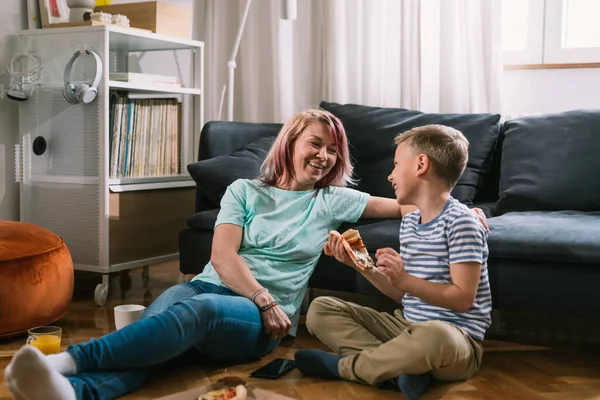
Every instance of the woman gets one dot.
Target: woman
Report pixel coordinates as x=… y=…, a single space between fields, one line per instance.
x=267 y=239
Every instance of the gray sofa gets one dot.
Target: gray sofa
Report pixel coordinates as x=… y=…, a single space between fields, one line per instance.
x=536 y=179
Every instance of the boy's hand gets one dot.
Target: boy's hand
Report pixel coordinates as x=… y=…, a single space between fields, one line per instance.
x=390 y=263
x=335 y=248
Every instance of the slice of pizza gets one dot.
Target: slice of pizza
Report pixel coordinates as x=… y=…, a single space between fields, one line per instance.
x=357 y=250
x=232 y=393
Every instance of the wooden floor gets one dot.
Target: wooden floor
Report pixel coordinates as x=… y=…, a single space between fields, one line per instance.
x=510 y=370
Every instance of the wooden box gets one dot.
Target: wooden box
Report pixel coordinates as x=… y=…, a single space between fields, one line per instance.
x=155 y=16
x=145 y=224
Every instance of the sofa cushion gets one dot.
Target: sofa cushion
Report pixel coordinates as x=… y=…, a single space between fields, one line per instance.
x=570 y=236
x=551 y=162
x=219 y=138
x=371 y=132
x=195 y=246
x=377 y=233
x=204 y=220
x=214 y=175
x=385 y=233
x=331 y=274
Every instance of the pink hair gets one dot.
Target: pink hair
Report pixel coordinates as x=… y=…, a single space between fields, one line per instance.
x=278 y=167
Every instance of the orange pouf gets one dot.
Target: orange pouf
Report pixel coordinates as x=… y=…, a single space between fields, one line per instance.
x=36 y=277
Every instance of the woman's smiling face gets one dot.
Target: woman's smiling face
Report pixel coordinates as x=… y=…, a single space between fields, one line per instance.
x=315 y=155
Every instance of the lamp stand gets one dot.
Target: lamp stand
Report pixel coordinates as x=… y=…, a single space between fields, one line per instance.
x=231 y=65
x=288 y=12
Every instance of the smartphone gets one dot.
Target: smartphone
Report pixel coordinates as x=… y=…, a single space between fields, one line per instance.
x=274 y=369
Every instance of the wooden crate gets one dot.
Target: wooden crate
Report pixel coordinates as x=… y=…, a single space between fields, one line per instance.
x=146 y=223
x=155 y=16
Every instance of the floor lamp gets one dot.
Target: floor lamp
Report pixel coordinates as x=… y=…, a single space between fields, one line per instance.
x=288 y=11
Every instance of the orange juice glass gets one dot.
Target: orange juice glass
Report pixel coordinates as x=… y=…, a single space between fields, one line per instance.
x=45 y=338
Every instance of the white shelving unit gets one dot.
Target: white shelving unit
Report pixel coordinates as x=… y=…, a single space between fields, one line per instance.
x=146 y=88
x=66 y=189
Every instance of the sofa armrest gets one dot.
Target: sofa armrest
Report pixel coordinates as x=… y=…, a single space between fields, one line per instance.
x=194 y=250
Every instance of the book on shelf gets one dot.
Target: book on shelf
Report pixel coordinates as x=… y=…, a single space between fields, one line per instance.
x=135 y=77
x=144 y=137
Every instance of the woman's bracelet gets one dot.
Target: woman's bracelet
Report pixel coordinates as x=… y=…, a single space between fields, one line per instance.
x=259 y=291
x=268 y=306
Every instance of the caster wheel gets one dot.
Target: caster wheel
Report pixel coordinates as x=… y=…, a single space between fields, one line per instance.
x=100 y=294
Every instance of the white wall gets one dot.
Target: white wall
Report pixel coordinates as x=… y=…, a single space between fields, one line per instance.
x=12 y=19
x=550 y=90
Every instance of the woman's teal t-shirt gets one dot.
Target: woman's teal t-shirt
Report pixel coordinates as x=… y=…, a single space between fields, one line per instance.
x=284 y=234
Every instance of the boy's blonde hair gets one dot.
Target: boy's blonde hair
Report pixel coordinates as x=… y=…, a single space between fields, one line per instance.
x=446 y=147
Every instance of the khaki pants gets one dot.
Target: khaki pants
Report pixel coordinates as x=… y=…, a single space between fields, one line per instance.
x=380 y=347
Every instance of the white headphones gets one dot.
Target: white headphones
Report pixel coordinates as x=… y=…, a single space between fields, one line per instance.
x=82 y=93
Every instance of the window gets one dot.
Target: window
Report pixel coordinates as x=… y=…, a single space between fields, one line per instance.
x=551 y=31
x=523 y=31
x=580 y=24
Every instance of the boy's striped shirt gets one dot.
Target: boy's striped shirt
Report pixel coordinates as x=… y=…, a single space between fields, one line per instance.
x=427 y=251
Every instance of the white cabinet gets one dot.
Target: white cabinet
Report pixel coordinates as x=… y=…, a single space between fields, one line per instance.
x=67 y=188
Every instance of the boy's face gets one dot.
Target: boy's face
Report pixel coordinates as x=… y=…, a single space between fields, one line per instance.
x=404 y=175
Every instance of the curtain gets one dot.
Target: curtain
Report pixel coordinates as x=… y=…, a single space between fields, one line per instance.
x=429 y=55
x=461 y=56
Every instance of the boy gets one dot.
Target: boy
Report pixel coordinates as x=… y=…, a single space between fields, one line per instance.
x=440 y=277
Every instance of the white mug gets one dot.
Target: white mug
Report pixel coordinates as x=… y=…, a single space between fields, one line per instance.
x=127 y=314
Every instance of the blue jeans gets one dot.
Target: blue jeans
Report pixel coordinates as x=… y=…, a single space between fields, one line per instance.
x=214 y=320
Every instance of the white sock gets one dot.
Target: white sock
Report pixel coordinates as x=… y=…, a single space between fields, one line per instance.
x=63 y=363
x=16 y=395
x=9 y=383
x=33 y=379
x=7 y=373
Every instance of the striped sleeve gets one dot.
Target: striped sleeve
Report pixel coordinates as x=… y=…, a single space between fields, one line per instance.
x=466 y=240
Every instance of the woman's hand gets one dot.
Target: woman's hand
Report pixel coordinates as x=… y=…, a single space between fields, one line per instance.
x=276 y=322
x=482 y=218
x=335 y=248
